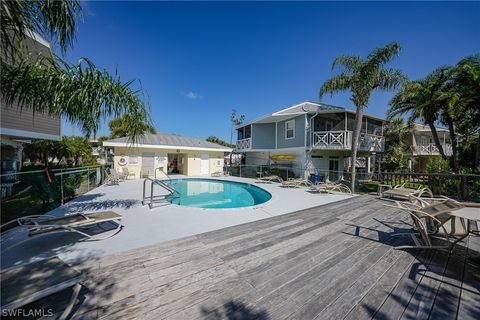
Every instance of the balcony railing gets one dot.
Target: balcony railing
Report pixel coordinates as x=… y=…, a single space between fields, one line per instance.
x=431 y=149
x=244 y=144
x=334 y=140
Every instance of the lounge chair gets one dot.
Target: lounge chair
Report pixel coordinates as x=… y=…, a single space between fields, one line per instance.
x=399 y=192
x=46 y=224
x=430 y=222
x=112 y=178
x=220 y=174
x=22 y=285
x=269 y=179
x=328 y=187
x=295 y=183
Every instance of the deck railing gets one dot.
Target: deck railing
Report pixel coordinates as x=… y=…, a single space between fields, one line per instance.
x=244 y=144
x=458 y=186
x=431 y=149
x=343 y=140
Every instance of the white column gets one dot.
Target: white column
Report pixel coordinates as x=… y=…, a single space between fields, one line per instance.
x=368 y=164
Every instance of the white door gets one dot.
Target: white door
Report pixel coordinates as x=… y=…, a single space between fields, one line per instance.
x=204 y=164
x=148 y=164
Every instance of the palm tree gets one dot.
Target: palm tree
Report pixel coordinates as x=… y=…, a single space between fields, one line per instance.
x=81 y=93
x=361 y=76
x=119 y=127
x=421 y=99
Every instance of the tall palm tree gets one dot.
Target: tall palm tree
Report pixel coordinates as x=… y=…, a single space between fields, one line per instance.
x=421 y=100
x=81 y=93
x=361 y=76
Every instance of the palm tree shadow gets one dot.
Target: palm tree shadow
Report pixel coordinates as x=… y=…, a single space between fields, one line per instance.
x=233 y=310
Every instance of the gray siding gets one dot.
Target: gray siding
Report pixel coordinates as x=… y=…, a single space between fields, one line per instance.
x=298 y=141
x=263 y=136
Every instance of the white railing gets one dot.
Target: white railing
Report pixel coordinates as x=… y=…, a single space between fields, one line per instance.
x=331 y=139
x=431 y=149
x=371 y=142
x=343 y=140
x=244 y=144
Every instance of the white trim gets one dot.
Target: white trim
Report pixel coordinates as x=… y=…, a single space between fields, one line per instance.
x=29 y=134
x=286 y=129
x=158 y=146
x=273 y=150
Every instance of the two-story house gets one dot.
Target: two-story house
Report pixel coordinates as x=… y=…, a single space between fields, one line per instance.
x=310 y=138
x=423 y=148
x=20 y=125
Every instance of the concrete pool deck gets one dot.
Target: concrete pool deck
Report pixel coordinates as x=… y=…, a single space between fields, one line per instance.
x=144 y=226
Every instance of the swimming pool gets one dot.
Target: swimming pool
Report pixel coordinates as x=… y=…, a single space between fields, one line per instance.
x=211 y=193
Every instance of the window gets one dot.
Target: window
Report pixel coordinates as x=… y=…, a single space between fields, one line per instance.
x=290 y=129
x=132 y=159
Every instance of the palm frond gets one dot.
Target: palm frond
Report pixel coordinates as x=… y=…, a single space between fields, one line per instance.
x=337 y=83
x=383 y=55
x=351 y=64
x=81 y=93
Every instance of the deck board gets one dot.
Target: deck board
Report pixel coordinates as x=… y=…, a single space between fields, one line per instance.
x=335 y=261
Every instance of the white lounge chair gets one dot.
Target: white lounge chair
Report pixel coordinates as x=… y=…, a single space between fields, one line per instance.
x=22 y=285
x=46 y=224
x=295 y=183
x=400 y=192
x=112 y=178
x=220 y=174
x=430 y=223
x=329 y=187
x=269 y=179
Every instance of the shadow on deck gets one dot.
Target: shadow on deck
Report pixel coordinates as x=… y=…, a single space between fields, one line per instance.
x=330 y=262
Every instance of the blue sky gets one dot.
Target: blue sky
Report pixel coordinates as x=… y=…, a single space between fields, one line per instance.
x=197 y=61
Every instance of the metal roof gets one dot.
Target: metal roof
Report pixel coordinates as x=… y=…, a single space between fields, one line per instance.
x=168 y=139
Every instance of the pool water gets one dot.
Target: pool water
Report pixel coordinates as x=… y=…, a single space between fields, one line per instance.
x=211 y=193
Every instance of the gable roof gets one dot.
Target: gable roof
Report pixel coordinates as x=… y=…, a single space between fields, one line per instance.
x=306 y=107
x=167 y=140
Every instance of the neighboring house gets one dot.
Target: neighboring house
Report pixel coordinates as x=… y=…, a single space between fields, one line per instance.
x=312 y=138
x=20 y=125
x=170 y=152
x=423 y=148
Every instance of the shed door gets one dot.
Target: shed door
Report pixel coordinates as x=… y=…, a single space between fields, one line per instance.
x=205 y=164
x=148 y=163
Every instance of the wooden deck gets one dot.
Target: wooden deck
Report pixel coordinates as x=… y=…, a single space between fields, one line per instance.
x=331 y=262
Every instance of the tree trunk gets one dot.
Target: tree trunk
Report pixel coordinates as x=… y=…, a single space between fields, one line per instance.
x=437 y=140
x=453 y=139
x=355 y=136
x=477 y=153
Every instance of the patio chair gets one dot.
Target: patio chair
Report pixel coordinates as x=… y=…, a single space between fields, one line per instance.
x=38 y=225
x=328 y=187
x=112 y=178
x=295 y=183
x=127 y=173
x=429 y=222
x=220 y=174
x=399 y=192
x=269 y=179
x=22 y=285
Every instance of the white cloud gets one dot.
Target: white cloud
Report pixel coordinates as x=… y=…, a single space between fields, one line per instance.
x=192 y=95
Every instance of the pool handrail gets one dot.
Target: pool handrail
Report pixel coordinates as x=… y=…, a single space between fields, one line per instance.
x=152 y=198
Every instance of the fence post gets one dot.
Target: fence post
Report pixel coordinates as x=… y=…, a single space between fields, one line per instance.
x=88 y=179
x=463 y=187
x=61 y=186
x=240 y=171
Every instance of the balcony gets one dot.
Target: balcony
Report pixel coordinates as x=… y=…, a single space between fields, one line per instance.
x=244 y=144
x=431 y=149
x=342 y=140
